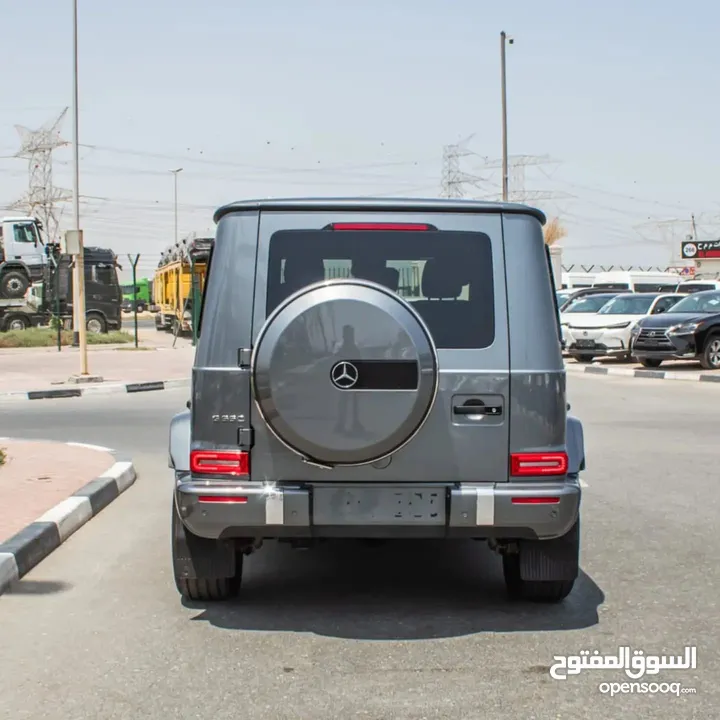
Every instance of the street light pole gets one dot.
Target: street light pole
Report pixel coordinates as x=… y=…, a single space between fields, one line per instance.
x=80 y=330
x=503 y=84
x=175 y=173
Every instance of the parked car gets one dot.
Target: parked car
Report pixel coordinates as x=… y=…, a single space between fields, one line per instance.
x=690 y=330
x=608 y=332
x=377 y=369
x=581 y=308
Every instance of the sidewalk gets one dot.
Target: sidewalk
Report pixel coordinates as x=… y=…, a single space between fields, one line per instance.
x=48 y=490
x=45 y=369
x=38 y=475
x=671 y=370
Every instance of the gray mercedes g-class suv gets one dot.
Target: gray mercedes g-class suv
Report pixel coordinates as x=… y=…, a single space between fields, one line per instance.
x=377 y=369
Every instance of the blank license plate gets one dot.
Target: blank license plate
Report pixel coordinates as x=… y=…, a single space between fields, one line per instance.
x=585 y=343
x=378 y=506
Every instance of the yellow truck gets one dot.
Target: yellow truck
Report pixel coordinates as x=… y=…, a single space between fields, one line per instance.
x=178 y=285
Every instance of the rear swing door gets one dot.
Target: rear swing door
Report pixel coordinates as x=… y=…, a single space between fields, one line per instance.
x=348 y=387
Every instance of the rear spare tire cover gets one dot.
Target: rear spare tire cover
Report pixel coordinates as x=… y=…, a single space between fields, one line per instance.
x=344 y=372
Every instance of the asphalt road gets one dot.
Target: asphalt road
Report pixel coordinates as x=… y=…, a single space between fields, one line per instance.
x=409 y=632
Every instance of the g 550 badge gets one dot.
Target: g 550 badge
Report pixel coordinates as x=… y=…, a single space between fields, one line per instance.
x=228 y=418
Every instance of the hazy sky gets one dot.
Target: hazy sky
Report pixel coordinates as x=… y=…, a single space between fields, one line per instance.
x=318 y=97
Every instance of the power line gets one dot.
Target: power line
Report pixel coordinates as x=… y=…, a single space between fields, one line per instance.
x=318 y=168
x=517 y=191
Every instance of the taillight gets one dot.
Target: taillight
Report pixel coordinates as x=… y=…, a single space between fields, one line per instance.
x=407 y=227
x=223 y=462
x=534 y=464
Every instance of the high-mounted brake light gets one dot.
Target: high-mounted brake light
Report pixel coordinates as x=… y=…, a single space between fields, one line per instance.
x=224 y=462
x=407 y=227
x=534 y=464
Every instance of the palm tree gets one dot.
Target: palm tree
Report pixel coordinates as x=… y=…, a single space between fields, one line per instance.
x=554 y=232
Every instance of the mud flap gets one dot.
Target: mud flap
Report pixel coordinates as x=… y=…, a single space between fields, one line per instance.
x=575 y=446
x=200 y=558
x=551 y=560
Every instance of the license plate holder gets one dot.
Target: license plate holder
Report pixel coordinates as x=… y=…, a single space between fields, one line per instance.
x=585 y=344
x=367 y=505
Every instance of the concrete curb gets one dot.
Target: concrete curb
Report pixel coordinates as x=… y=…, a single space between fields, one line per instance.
x=90 y=389
x=29 y=547
x=646 y=374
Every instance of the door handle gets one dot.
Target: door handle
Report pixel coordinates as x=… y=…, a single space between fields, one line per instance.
x=477 y=407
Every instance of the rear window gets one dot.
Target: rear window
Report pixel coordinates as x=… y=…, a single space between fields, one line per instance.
x=446 y=276
x=655 y=287
x=612 y=286
x=696 y=287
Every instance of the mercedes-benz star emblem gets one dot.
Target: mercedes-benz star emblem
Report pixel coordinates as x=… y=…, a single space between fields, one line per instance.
x=344 y=375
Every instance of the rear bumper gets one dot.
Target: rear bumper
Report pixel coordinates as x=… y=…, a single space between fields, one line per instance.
x=366 y=511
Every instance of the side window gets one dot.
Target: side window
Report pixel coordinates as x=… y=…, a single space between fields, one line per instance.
x=24 y=234
x=100 y=274
x=551 y=275
x=208 y=268
x=663 y=304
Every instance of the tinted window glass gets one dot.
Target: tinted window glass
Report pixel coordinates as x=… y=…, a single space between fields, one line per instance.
x=587 y=304
x=665 y=303
x=628 y=305
x=100 y=274
x=446 y=276
x=655 y=287
x=696 y=287
x=25 y=233
x=612 y=286
x=706 y=302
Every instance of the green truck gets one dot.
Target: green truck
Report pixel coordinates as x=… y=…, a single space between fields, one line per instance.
x=142 y=294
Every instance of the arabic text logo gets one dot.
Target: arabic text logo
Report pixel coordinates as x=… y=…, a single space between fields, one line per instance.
x=344 y=375
x=635 y=663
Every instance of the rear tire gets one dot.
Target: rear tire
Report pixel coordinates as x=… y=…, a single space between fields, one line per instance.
x=208 y=589
x=566 y=547
x=95 y=324
x=650 y=362
x=202 y=552
x=17 y=322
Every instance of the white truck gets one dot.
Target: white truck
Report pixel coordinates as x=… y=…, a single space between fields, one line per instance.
x=22 y=255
